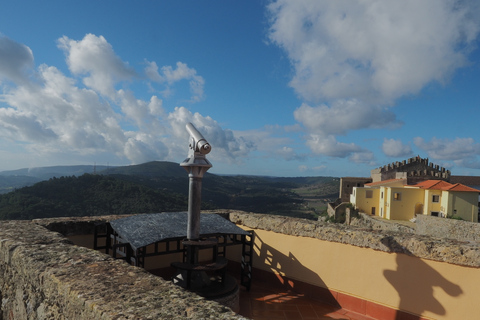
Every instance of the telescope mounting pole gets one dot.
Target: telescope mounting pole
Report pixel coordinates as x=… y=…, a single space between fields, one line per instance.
x=196 y=165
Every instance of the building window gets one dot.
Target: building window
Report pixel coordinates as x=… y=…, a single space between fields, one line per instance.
x=369 y=194
x=381 y=196
x=397 y=196
x=436 y=198
x=434 y=213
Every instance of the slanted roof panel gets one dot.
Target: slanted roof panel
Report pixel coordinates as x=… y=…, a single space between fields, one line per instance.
x=144 y=229
x=443 y=185
x=461 y=187
x=432 y=184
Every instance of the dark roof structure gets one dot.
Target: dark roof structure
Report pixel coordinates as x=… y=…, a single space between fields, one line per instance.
x=145 y=229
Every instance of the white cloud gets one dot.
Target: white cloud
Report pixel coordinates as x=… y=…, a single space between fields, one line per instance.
x=74 y=118
x=395 y=148
x=15 y=60
x=329 y=146
x=363 y=156
x=23 y=126
x=375 y=51
x=142 y=147
x=353 y=60
x=151 y=71
x=181 y=72
x=94 y=57
x=289 y=153
x=53 y=115
x=448 y=149
x=343 y=116
x=226 y=145
x=472 y=163
x=171 y=76
x=143 y=114
x=302 y=168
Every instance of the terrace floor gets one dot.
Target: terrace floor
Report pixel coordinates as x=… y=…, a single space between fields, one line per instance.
x=266 y=302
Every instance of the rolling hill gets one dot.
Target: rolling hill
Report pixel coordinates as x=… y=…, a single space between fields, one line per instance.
x=158 y=186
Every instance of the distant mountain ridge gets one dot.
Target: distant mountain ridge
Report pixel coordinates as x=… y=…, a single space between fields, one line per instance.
x=45 y=173
x=149 y=169
x=152 y=168
x=147 y=182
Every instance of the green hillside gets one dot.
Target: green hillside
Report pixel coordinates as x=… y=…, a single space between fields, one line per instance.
x=88 y=195
x=163 y=186
x=10 y=183
x=149 y=169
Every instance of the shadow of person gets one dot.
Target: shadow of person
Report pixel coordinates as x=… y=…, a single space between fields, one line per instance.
x=414 y=280
x=282 y=266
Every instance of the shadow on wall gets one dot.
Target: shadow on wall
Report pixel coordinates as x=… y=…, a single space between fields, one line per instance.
x=282 y=265
x=414 y=281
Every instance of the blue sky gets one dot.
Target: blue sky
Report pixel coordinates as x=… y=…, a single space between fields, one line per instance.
x=282 y=88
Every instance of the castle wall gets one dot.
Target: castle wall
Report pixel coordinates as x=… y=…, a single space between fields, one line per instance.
x=44 y=276
x=415 y=169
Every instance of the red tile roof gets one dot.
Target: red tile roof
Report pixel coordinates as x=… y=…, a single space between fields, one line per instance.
x=432 y=184
x=462 y=187
x=443 y=185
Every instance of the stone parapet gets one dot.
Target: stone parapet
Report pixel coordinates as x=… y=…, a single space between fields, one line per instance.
x=443 y=250
x=447 y=228
x=71 y=226
x=368 y=222
x=44 y=276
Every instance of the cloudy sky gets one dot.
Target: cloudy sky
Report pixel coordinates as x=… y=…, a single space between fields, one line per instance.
x=283 y=88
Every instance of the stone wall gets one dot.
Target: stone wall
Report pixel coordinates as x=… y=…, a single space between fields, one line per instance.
x=44 y=276
x=348 y=183
x=447 y=228
x=415 y=169
x=339 y=212
x=367 y=222
x=443 y=250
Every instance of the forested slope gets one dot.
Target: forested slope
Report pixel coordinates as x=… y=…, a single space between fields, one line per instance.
x=163 y=186
x=87 y=195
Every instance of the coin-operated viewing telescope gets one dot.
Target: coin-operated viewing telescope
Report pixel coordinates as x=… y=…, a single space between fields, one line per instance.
x=198 y=142
x=196 y=165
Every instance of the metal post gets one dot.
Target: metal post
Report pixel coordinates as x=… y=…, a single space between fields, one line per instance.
x=196 y=165
x=194 y=205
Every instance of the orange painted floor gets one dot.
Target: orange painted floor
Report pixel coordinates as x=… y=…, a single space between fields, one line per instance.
x=263 y=302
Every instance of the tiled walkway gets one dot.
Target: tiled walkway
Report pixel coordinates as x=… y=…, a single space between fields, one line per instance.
x=267 y=303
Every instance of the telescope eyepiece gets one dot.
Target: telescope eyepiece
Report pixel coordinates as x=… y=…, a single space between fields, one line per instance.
x=203 y=146
x=200 y=144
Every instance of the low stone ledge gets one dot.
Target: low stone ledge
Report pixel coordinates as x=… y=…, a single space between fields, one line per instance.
x=375 y=223
x=71 y=226
x=44 y=276
x=444 y=250
x=448 y=228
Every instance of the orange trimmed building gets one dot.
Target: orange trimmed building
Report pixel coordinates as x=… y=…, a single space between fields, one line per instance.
x=394 y=199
